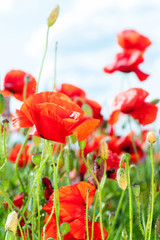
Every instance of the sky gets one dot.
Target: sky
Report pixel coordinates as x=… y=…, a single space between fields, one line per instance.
x=86 y=34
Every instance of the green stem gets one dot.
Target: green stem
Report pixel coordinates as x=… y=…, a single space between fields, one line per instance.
x=17 y=160
x=94 y=215
x=33 y=212
x=133 y=140
x=55 y=64
x=25 y=91
x=139 y=217
x=152 y=193
x=99 y=191
x=155 y=233
x=116 y=215
x=67 y=166
x=87 y=215
x=130 y=200
x=43 y=60
x=5 y=155
x=38 y=207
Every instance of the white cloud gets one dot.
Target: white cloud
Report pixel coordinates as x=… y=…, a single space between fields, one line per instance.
x=6 y=6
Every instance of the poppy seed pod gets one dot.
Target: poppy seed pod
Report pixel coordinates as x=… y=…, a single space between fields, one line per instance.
x=122 y=178
x=64 y=228
x=151 y=137
x=11 y=223
x=104 y=150
x=53 y=16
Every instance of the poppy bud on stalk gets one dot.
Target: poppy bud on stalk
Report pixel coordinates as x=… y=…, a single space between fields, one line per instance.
x=11 y=223
x=53 y=16
x=151 y=137
x=64 y=228
x=104 y=150
x=82 y=144
x=136 y=189
x=122 y=178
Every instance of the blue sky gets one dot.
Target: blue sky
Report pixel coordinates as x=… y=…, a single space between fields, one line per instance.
x=86 y=34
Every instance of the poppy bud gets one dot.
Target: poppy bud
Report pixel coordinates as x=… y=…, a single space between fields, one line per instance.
x=53 y=16
x=36 y=158
x=11 y=223
x=155 y=101
x=2 y=103
x=136 y=189
x=99 y=161
x=151 y=137
x=82 y=144
x=122 y=178
x=87 y=109
x=5 y=123
x=126 y=157
x=104 y=150
x=73 y=138
x=158 y=226
x=64 y=228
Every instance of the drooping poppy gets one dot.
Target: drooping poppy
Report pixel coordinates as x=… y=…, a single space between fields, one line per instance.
x=72 y=201
x=132 y=102
x=54 y=116
x=128 y=61
x=79 y=96
x=14 y=83
x=25 y=157
x=48 y=187
x=130 y=39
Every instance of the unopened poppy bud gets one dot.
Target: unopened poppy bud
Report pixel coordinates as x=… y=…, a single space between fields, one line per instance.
x=73 y=138
x=64 y=228
x=36 y=158
x=122 y=178
x=158 y=226
x=136 y=189
x=11 y=223
x=104 y=150
x=87 y=109
x=53 y=16
x=2 y=103
x=82 y=144
x=151 y=137
x=36 y=140
x=5 y=123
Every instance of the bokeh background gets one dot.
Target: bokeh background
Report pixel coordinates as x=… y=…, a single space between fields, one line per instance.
x=86 y=34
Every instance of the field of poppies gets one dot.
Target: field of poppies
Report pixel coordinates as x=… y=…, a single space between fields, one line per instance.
x=65 y=173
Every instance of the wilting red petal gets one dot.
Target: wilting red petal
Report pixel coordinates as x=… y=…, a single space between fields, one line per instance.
x=113 y=118
x=72 y=91
x=125 y=61
x=85 y=128
x=146 y=113
x=129 y=39
x=141 y=75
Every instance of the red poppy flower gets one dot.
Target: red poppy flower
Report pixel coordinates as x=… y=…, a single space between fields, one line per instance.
x=72 y=91
x=113 y=162
x=55 y=116
x=132 y=102
x=124 y=144
x=25 y=156
x=72 y=201
x=128 y=61
x=14 y=82
x=130 y=39
x=79 y=96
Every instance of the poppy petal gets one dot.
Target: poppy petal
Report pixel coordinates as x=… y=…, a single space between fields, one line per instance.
x=141 y=75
